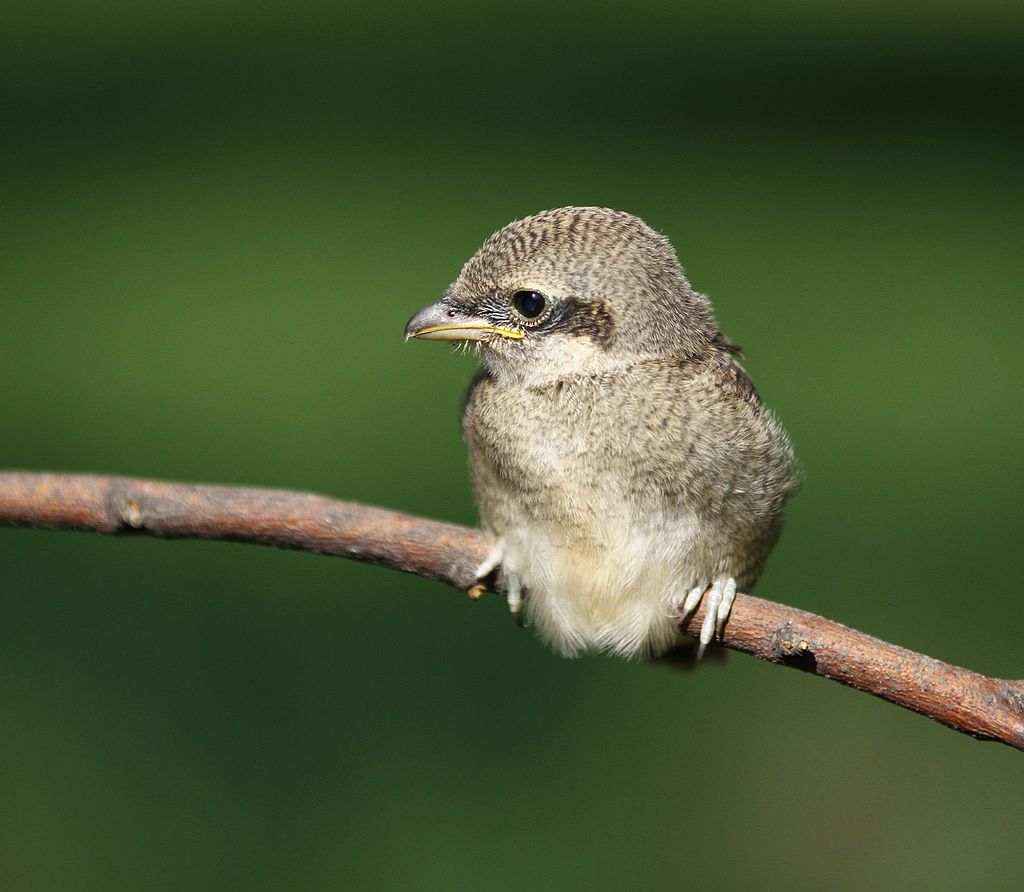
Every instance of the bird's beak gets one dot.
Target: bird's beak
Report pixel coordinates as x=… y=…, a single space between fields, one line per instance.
x=442 y=322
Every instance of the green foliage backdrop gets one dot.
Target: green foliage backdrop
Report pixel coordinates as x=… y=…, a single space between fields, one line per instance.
x=215 y=221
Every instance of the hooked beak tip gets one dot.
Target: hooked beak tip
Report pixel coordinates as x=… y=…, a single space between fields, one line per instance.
x=440 y=322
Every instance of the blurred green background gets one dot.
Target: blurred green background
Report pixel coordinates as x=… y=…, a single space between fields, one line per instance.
x=214 y=222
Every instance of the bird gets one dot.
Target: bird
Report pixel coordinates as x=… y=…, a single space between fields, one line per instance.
x=623 y=464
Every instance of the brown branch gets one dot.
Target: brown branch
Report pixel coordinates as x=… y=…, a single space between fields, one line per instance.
x=983 y=707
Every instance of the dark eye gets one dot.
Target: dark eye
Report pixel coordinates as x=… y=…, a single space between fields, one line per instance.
x=529 y=303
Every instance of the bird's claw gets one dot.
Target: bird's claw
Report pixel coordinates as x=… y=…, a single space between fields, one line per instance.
x=515 y=586
x=491 y=562
x=719 y=603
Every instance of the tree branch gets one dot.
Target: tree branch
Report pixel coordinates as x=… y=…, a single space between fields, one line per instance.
x=983 y=707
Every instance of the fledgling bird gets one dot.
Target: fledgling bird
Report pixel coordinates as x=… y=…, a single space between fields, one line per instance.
x=621 y=458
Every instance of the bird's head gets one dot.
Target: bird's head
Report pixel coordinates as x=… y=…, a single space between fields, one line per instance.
x=573 y=291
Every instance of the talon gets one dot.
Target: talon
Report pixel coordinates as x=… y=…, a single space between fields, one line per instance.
x=515 y=594
x=725 y=608
x=491 y=562
x=719 y=603
x=707 y=630
x=693 y=599
x=496 y=558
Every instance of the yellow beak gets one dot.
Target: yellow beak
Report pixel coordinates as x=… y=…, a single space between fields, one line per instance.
x=462 y=333
x=441 y=322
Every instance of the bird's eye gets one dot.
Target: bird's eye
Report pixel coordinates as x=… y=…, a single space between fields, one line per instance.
x=529 y=303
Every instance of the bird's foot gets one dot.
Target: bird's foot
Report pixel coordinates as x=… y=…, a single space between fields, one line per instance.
x=494 y=559
x=719 y=603
x=515 y=595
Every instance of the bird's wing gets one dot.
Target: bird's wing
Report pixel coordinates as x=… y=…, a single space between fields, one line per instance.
x=728 y=344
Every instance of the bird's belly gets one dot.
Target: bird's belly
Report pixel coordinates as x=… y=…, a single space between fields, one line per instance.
x=611 y=592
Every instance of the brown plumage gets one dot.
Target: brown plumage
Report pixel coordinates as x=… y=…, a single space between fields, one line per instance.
x=621 y=457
